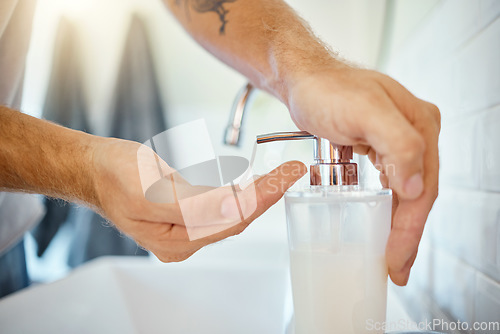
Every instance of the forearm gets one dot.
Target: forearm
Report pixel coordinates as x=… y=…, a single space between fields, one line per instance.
x=40 y=157
x=263 y=39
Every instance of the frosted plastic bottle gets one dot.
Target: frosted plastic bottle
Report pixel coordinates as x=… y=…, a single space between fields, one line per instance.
x=337 y=234
x=337 y=239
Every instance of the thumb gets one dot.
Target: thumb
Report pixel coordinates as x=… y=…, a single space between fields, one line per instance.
x=220 y=214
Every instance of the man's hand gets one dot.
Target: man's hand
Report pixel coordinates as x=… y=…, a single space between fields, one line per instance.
x=111 y=176
x=397 y=131
x=159 y=223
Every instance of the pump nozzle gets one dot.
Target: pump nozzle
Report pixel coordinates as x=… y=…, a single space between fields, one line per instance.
x=332 y=162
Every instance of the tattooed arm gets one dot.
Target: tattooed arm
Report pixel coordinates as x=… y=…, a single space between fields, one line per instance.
x=266 y=41
x=250 y=37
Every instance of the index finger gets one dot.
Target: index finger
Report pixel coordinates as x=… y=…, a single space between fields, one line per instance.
x=400 y=148
x=410 y=216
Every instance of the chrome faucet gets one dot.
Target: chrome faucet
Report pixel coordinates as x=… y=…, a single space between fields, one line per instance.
x=233 y=129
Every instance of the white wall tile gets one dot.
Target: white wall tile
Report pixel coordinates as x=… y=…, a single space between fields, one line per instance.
x=452 y=60
x=443 y=223
x=478 y=68
x=468 y=226
x=457 y=21
x=489 y=146
x=487 y=303
x=453 y=285
x=451 y=24
x=488 y=11
x=481 y=234
x=490 y=246
x=459 y=154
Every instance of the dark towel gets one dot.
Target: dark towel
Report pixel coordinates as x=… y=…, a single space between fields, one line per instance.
x=138 y=115
x=139 y=112
x=65 y=105
x=13 y=272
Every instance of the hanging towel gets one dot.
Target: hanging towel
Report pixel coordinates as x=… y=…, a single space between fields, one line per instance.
x=138 y=114
x=65 y=105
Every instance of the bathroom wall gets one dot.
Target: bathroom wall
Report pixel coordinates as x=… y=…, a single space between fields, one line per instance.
x=449 y=53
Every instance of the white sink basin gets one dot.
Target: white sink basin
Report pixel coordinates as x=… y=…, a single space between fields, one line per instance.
x=131 y=295
x=247 y=291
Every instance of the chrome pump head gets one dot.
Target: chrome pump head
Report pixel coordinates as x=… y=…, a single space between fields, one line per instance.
x=332 y=162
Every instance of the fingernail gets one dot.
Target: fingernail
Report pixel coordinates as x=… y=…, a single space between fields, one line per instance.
x=229 y=208
x=414 y=186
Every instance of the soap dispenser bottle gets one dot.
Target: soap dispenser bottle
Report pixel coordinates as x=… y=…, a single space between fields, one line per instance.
x=337 y=234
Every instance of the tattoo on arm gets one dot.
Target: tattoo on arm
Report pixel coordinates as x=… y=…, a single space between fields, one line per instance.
x=217 y=6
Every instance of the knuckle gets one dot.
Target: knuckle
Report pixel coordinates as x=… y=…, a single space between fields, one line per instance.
x=435 y=113
x=417 y=143
x=411 y=147
x=410 y=234
x=374 y=95
x=134 y=206
x=408 y=151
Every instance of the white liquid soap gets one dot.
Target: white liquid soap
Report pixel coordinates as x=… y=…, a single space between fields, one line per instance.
x=337 y=260
x=337 y=234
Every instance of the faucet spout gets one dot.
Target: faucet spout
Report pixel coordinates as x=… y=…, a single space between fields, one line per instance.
x=233 y=130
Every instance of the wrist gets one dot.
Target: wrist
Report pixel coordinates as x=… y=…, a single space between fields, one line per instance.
x=299 y=62
x=69 y=163
x=37 y=156
x=86 y=189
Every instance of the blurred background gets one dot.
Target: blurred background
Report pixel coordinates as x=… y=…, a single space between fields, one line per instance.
x=93 y=65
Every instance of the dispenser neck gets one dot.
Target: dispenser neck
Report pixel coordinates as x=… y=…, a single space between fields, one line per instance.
x=332 y=162
x=336 y=174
